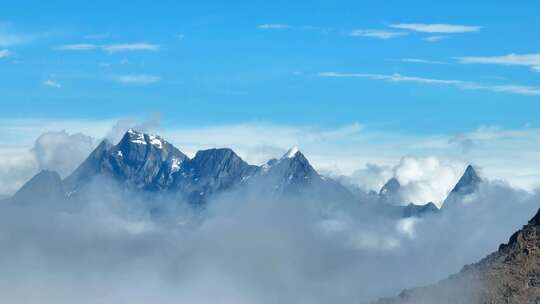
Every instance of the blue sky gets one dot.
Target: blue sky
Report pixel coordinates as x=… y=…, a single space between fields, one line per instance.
x=352 y=83
x=216 y=62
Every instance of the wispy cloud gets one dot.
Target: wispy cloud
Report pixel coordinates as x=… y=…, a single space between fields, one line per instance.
x=136 y=79
x=111 y=48
x=378 y=34
x=437 y=28
x=529 y=60
x=77 y=47
x=273 y=26
x=10 y=37
x=423 y=61
x=466 y=85
x=434 y=38
x=4 y=53
x=126 y=47
x=52 y=83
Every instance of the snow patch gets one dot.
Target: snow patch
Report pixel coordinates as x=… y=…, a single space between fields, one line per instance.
x=175 y=165
x=137 y=138
x=291 y=153
x=156 y=141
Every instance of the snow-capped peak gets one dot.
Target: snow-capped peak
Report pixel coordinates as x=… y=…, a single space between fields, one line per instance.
x=291 y=153
x=136 y=137
x=156 y=141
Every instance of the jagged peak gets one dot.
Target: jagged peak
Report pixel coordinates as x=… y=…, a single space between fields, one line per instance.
x=215 y=152
x=291 y=153
x=391 y=185
x=536 y=219
x=468 y=181
x=133 y=136
x=471 y=171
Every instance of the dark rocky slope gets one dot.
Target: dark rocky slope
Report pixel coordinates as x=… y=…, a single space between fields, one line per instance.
x=511 y=275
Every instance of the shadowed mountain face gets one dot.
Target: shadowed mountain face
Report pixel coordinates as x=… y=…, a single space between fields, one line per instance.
x=467 y=185
x=46 y=185
x=511 y=275
x=139 y=160
x=389 y=193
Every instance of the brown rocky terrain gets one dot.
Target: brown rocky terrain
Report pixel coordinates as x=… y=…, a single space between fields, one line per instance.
x=509 y=275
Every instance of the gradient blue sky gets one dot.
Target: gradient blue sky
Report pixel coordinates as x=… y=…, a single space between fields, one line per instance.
x=357 y=85
x=217 y=62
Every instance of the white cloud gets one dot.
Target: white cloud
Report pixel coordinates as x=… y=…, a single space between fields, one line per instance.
x=62 y=152
x=427 y=179
x=466 y=85
x=393 y=77
x=434 y=38
x=52 y=83
x=425 y=61
x=139 y=79
x=436 y=28
x=378 y=34
x=529 y=60
x=273 y=26
x=10 y=37
x=126 y=47
x=112 y=48
x=77 y=47
x=17 y=166
x=4 y=53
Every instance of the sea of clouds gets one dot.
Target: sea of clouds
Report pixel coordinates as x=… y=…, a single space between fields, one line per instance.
x=108 y=247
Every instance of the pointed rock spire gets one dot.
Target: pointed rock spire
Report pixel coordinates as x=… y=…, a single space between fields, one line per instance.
x=467 y=184
x=390 y=192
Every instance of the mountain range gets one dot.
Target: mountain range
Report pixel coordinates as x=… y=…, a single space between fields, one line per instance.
x=148 y=163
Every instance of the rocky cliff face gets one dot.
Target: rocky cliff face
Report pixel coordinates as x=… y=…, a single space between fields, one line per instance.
x=511 y=275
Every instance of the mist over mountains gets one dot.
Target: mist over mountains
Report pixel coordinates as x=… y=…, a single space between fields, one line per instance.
x=142 y=213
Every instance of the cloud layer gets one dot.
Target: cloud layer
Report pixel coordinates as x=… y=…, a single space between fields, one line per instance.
x=245 y=249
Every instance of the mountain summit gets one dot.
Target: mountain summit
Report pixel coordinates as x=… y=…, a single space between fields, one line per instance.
x=139 y=160
x=389 y=193
x=467 y=185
